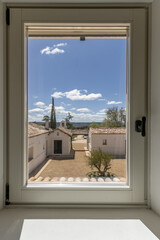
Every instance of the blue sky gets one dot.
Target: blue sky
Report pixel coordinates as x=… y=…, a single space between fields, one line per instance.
x=85 y=77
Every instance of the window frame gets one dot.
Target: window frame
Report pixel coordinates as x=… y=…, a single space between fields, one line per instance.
x=133 y=15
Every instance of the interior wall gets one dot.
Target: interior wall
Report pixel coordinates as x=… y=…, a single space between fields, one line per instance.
x=155 y=97
x=155 y=108
x=1 y=105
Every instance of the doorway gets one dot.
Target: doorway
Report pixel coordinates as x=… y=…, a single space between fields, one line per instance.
x=58 y=147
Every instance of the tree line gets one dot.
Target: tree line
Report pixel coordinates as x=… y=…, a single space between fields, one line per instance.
x=114 y=118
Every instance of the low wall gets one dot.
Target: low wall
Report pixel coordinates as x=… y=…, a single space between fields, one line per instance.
x=63 y=157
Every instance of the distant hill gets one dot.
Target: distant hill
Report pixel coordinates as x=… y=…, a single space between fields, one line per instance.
x=75 y=124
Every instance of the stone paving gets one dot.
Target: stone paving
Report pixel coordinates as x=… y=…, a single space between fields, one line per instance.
x=77 y=167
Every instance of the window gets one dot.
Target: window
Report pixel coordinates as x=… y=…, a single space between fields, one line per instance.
x=81 y=101
x=69 y=23
x=104 y=141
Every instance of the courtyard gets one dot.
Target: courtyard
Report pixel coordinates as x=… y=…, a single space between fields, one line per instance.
x=77 y=167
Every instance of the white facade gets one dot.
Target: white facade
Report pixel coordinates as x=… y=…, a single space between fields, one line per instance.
x=36 y=150
x=114 y=144
x=58 y=135
x=42 y=145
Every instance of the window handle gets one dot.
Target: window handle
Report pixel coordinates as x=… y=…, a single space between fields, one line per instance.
x=140 y=126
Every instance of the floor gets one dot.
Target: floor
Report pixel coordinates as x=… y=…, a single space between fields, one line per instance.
x=11 y=220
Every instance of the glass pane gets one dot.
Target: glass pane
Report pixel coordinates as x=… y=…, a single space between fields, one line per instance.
x=77 y=109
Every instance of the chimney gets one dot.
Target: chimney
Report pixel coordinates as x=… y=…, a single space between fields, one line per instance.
x=47 y=123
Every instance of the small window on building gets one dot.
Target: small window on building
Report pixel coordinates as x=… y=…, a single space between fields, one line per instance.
x=62 y=124
x=30 y=154
x=57 y=133
x=104 y=141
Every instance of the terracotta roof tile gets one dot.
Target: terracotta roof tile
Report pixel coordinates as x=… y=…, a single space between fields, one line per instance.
x=35 y=129
x=108 y=130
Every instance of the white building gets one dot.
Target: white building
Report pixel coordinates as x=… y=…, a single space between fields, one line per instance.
x=61 y=142
x=111 y=140
x=43 y=143
x=63 y=124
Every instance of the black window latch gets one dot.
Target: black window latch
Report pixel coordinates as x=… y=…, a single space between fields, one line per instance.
x=140 y=126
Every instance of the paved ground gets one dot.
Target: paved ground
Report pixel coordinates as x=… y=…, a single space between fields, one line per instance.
x=77 y=167
x=79 y=143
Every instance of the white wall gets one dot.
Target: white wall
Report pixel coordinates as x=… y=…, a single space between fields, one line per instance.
x=155 y=108
x=39 y=150
x=115 y=143
x=1 y=106
x=155 y=98
x=66 y=141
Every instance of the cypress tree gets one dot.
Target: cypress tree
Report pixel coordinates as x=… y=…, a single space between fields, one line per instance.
x=53 y=123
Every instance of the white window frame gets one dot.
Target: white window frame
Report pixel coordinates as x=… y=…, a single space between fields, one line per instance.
x=135 y=191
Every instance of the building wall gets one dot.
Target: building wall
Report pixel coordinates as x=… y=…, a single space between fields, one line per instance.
x=2 y=156
x=89 y=141
x=39 y=150
x=66 y=141
x=49 y=145
x=155 y=109
x=115 y=143
x=43 y=146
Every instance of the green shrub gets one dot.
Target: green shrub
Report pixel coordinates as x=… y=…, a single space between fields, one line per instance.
x=101 y=161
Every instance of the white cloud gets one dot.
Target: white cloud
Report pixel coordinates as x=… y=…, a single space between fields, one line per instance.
x=60 y=45
x=48 y=108
x=83 y=110
x=76 y=94
x=87 y=117
x=36 y=110
x=39 y=104
x=55 y=51
x=40 y=115
x=61 y=113
x=58 y=95
x=113 y=103
x=37 y=118
x=45 y=50
x=85 y=90
x=51 y=50
x=35 y=97
x=103 y=110
x=31 y=118
x=59 y=109
x=73 y=108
